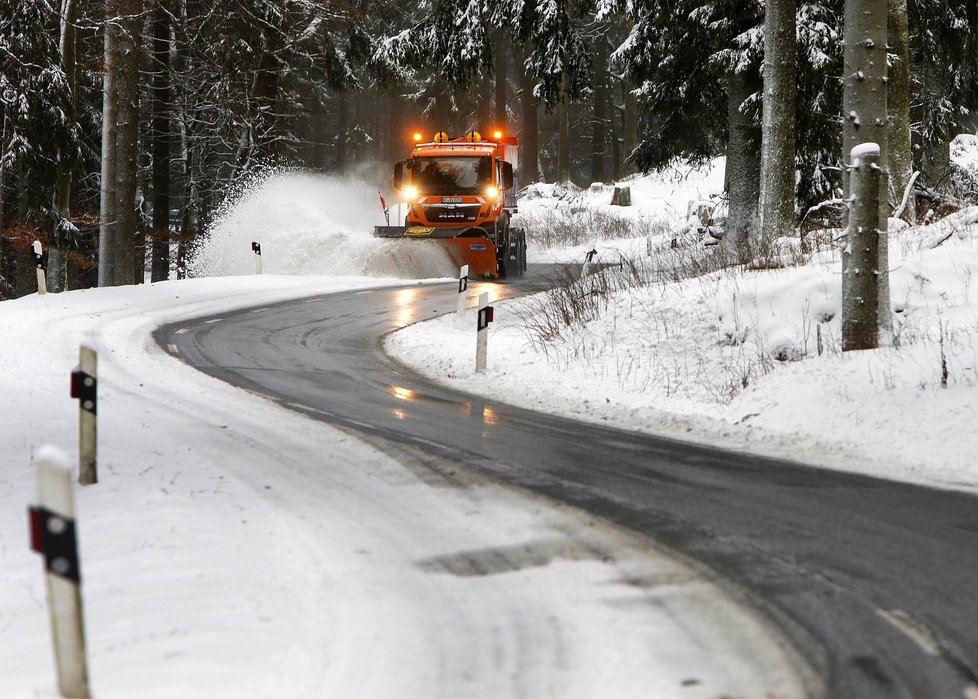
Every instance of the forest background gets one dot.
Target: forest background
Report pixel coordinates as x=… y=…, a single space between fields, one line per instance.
x=127 y=123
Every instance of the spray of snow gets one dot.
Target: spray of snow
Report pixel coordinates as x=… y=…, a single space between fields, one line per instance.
x=310 y=223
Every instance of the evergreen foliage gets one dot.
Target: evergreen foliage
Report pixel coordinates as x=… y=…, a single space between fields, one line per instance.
x=35 y=100
x=323 y=84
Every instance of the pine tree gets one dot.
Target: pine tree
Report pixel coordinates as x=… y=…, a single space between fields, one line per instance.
x=36 y=101
x=944 y=66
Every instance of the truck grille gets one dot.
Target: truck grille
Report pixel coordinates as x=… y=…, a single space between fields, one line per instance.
x=451 y=213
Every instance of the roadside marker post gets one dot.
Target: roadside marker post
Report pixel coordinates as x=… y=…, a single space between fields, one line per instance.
x=84 y=387
x=256 y=248
x=482 y=332
x=463 y=285
x=41 y=270
x=54 y=536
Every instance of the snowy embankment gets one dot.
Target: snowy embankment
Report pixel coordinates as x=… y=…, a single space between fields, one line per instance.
x=233 y=548
x=744 y=359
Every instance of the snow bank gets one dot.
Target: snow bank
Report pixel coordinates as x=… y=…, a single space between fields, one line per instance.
x=752 y=359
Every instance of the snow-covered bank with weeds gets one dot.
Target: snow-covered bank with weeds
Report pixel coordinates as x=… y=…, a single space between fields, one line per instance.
x=744 y=358
x=562 y=220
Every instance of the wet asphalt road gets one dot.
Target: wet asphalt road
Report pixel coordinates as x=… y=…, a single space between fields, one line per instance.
x=873 y=582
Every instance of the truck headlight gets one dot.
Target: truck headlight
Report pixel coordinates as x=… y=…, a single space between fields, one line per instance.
x=492 y=192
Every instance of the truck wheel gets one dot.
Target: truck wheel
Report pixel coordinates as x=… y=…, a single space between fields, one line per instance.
x=503 y=264
x=518 y=240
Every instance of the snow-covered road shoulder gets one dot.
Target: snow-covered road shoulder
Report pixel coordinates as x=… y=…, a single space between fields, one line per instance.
x=750 y=360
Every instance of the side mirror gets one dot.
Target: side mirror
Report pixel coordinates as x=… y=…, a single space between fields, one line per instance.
x=507 y=175
x=399 y=174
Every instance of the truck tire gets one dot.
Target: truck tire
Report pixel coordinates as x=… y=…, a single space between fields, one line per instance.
x=503 y=264
x=518 y=243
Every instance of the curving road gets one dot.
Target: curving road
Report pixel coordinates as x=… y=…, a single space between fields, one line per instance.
x=873 y=581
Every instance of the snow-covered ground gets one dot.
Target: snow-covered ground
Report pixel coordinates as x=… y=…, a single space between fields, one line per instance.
x=748 y=360
x=236 y=549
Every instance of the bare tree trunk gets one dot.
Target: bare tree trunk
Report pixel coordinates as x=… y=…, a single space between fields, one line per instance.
x=864 y=112
x=898 y=105
x=777 y=204
x=599 y=116
x=860 y=305
x=502 y=47
x=161 y=137
x=5 y=285
x=529 y=141
x=563 y=138
x=615 y=116
x=57 y=271
x=630 y=126
x=743 y=172
x=109 y=238
x=134 y=254
x=120 y=130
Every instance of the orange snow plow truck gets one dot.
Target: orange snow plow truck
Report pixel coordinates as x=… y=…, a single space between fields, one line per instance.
x=461 y=193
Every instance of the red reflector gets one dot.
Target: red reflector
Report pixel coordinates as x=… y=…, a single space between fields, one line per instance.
x=488 y=314
x=35 y=523
x=76 y=383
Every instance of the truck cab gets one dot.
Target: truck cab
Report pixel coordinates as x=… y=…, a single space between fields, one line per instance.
x=463 y=192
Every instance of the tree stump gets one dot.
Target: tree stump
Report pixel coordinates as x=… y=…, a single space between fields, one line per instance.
x=622 y=196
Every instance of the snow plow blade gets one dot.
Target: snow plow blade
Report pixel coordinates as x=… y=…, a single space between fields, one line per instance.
x=467 y=245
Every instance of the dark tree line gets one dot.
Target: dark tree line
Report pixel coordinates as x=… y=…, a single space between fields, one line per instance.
x=126 y=122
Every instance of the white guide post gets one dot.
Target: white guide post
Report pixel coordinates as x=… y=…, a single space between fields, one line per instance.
x=463 y=285
x=256 y=248
x=482 y=332
x=84 y=387
x=53 y=535
x=39 y=261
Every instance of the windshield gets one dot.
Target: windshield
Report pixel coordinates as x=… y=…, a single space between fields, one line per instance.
x=452 y=175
